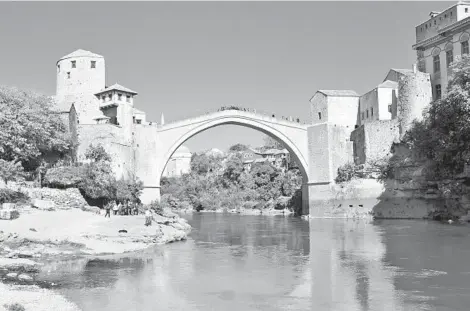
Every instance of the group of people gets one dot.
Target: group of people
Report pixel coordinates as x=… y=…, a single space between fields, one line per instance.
x=126 y=208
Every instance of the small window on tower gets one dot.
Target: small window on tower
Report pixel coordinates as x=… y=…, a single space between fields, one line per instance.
x=68 y=75
x=371 y=111
x=389 y=108
x=128 y=98
x=93 y=64
x=466 y=10
x=119 y=96
x=74 y=64
x=319 y=116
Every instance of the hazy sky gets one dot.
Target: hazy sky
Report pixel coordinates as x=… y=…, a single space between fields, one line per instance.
x=184 y=58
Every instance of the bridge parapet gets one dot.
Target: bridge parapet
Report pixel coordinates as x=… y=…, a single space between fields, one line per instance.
x=241 y=112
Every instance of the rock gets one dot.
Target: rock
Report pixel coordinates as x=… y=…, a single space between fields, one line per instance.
x=11 y=275
x=32 y=229
x=44 y=204
x=122 y=231
x=25 y=277
x=18 y=264
x=25 y=254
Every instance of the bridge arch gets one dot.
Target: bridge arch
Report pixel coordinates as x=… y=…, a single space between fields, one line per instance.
x=172 y=137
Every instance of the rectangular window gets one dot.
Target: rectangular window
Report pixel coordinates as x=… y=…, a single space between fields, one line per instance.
x=319 y=116
x=93 y=64
x=363 y=116
x=139 y=121
x=74 y=64
x=367 y=114
x=128 y=98
x=68 y=75
x=103 y=98
x=110 y=97
x=371 y=111
x=466 y=10
x=449 y=57
x=119 y=96
x=437 y=63
x=438 y=91
x=389 y=108
x=464 y=47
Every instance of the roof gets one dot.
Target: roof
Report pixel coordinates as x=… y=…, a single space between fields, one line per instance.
x=137 y=111
x=338 y=92
x=117 y=87
x=273 y=151
x=182 y=149
x=388 y=84
x=81 y=53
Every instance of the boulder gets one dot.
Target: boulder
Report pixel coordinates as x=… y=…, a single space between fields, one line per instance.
x=25 y=277
x=43 y=204
x=11 y=275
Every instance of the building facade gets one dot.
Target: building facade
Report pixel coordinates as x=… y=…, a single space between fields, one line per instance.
x=179 y=163
x=442 y=38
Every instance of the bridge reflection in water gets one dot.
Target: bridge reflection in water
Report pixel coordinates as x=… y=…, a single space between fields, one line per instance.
x=235 y=262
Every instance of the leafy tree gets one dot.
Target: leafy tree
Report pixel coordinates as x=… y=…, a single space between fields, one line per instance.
x=99 y=181
x=233 y=168
x=11 y=170
x=29 y=128
x=128 y=190
x=238 y=148
x=97 y=153
x=443 y=135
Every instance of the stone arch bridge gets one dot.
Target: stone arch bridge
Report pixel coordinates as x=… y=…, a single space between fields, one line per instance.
x=309 y=145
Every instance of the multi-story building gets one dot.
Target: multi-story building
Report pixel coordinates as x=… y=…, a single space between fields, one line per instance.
x=439 y=40
x=179 y=163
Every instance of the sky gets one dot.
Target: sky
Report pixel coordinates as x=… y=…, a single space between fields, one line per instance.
x=186 y=58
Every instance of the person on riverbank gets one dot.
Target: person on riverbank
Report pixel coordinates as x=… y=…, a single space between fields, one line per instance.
x=116 y=207
x=148 y=217
x=107 y=207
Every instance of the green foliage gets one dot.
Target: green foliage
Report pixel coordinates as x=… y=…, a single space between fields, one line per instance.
x=11 y=196
x=346 y=172
x=64 y=176
x=11 y=170
x=97 y=153
x=203 y=163
x=238 y=148
x=99 y=181
x=29 y=128
x=14 y=307
x=129 y=190
x=443 y=135
x=233 y=169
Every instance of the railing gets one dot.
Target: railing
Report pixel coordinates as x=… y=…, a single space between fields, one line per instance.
x=290 y=119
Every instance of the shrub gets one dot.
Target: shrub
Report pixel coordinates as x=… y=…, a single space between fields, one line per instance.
x=64 y=176
x=11 y=196
x=346 y=172
x=14 y=307
x=156 y=206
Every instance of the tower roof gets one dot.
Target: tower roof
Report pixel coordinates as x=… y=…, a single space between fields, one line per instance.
x=80 y=53
x=117 y=87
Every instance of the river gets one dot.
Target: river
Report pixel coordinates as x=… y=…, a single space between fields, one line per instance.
x=243 y=263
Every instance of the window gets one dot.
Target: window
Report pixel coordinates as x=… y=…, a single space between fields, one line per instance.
x=390 y=108
x=139 y=121
x=68 y=75
x=93 y=64
x=449 y=57
x=466 y=10
x=128 y=98
x=119 y=96
x=437 y=63
x=319 y=116
x=371 y=111
x=438 y=91
x=450 y=13
x=367 y=114
x=464 y=47
x=362 y=116
x=434 y=22
x=103 y=98
x=110 y=96
x=74 y=64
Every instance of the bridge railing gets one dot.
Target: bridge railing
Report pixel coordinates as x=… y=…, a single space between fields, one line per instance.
x=278 y=117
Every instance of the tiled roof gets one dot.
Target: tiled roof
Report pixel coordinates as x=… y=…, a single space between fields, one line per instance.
x=81 y=53
x=339 y=92
x=117 y=87
x=388 y=84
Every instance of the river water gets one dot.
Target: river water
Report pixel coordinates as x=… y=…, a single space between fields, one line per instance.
x=243 y=263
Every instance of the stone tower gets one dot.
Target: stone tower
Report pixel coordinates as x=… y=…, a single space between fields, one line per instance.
x=80 y=75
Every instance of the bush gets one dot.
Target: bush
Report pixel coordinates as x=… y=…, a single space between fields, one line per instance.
x=155 y=206
x=14 y=307
x=64 y=177
x=346 y=172
x=11 y=196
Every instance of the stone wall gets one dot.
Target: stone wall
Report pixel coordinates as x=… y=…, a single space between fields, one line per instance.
x=373 y=140
x=63 y=198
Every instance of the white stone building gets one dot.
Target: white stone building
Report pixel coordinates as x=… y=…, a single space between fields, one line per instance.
x=179 y=163
x=439 y=40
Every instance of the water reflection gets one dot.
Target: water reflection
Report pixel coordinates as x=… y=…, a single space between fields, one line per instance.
x=234 y=262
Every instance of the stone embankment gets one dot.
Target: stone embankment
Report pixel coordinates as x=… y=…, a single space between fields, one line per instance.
x=64 y=226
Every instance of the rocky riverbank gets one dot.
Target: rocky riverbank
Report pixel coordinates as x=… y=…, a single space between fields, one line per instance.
x=38 y=235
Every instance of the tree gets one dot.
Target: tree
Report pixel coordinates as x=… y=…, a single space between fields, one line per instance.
x=129 y=190
x=203 y=163
x=11 y=170
x=233 y=168
x=29 y=128
x=443 y=135
x=238 y=148
x=99 y=181
x=97 y=153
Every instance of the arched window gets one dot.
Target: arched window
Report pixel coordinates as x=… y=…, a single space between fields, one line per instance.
x=464 y=43
x=449 y=53
x=436 y=60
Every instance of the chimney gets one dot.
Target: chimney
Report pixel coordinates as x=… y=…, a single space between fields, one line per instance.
x=414 y=67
